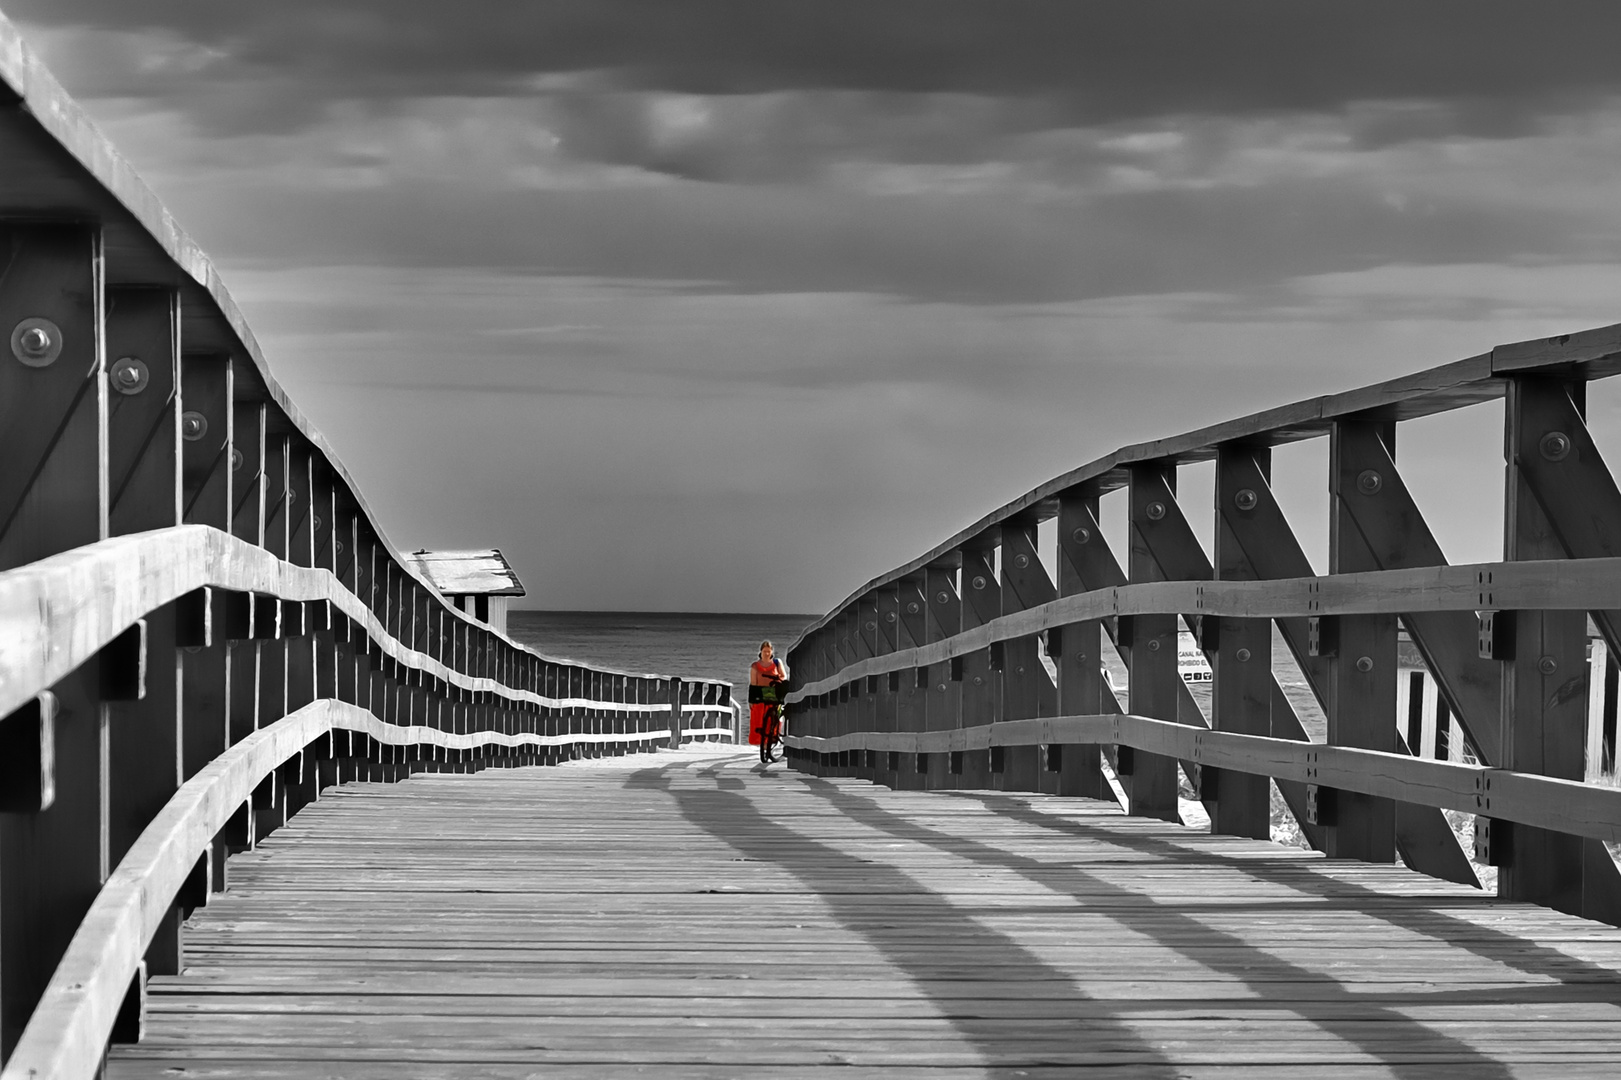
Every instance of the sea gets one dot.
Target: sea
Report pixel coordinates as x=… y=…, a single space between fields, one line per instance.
x=691 y=644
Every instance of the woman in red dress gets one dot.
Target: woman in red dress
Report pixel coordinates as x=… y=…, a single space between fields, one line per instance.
x=764 y=672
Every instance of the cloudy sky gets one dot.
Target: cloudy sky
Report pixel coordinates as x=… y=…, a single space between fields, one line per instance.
x=734 y=304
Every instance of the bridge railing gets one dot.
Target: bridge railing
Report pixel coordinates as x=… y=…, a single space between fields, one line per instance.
x=975 y=666
x=201 y=623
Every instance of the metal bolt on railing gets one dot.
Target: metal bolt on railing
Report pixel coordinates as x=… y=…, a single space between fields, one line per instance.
x=130 y=375
x=36 y=342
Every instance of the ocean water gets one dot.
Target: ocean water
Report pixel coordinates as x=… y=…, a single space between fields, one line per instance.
x=688 y=644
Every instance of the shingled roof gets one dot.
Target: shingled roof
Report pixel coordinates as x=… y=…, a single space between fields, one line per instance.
x=485 y=572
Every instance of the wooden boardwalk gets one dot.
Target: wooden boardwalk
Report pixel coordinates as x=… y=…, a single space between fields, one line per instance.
x=682 y=915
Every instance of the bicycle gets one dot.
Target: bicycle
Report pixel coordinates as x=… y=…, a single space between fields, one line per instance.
x=771 y=735
x=770 y=730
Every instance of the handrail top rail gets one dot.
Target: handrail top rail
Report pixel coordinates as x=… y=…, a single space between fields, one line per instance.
x=1586 y=354
x=1529 y=584
x=99 y=590
x=1579 y=807
x=68 y=1030
x=141 y=235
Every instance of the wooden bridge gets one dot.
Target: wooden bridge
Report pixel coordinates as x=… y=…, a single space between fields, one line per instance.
x=270 y=807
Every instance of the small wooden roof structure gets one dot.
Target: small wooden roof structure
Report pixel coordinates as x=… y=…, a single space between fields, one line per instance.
x=484 y=572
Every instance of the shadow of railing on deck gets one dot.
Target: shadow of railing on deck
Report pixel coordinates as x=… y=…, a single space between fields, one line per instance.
x=1474 y=937
x=1261 y=971
x=929 y=962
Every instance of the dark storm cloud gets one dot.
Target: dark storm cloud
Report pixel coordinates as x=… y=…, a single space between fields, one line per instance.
x=1101 y=61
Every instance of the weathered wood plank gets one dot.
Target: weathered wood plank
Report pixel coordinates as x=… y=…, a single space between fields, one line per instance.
x=71 y=1022
x=725 y=921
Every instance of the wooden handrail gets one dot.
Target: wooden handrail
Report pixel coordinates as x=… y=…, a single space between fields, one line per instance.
x=1567 y=585
x=1566 y=806
x=1584 y=355
x=74 y=1019
x=58 y=613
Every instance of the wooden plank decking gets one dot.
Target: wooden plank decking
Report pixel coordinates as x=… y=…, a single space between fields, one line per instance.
x=681 y=915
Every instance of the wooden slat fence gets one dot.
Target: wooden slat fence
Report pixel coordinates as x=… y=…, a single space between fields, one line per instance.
x=201 y=623
x=974 y=666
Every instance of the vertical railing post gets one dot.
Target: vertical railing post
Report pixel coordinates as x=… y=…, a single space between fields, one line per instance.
x=277 y=536
x=825 y=658
x=839 y=699
x=552 y=720
x=802 y=665
x=981 y=675
x=840 y=722
x=887 y=709
x=915 y=687
x=1557 y=469
x=144 y=440
x=943 y=711
x=302 y=528
x=1077 y=649
x=206 y=451
x=53 y=497
x=1361 y=651
x=675 y=713
x=1028 y=691
x=249 y=451
x=1240 y=651
x=1151 y=646
x=868 y=642
x=1544 y=683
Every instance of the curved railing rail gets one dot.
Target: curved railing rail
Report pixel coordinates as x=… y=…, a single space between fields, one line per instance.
x=69 y=1030
x=201 y=623
x=975 y=666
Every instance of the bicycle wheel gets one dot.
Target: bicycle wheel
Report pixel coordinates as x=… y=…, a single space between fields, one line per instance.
x=771 y=735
